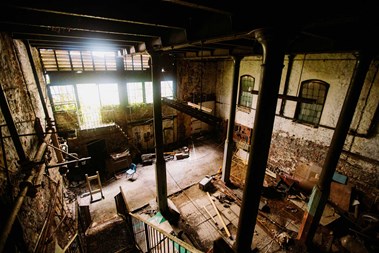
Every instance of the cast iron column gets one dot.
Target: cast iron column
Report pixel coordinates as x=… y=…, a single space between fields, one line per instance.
x=320 y=193
x=54 y=137
x=160 y=164
x=121 y=82
x=271 y=70
x=36 y=78
x=228 y=148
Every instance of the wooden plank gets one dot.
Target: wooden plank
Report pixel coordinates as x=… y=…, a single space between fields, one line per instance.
x=340 y=195
x=219 y=215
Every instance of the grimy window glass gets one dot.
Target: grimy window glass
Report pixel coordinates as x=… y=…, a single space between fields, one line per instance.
x=309 y=112
x=246 y=91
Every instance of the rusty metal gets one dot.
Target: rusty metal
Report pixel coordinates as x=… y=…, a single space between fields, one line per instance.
x=273 y=47
x=286 y=83
x=36 y=78
x=160 y=165
x=16 y=208
x=152 y=232
x=228 y=148
x=42 y=148
x=9 y=183
x=48 y=219
x=58 y=152
x=25 y=187
x=11 y=126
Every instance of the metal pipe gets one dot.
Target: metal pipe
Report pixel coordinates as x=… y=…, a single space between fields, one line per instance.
x=64 y=152
x=71 y=14
x=9 y=183
x=58 y=151
x=41 y=151
x=16 y=208
x=36 y=78
x=199 y=6
x=228 y=148
x=68 y=162
x=11 y=126
x=286 y=83
x=20 y=199
x=273 y=56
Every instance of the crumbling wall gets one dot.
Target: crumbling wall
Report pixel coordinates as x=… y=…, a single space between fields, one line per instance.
x=20 y=90
x=294 y=143
x=287 y=152
x=195 y=79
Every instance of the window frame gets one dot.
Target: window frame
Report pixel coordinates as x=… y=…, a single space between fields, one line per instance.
x=298 y=112
x=242 y=91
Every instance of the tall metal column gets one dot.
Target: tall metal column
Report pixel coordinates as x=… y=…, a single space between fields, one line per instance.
x=271 y=70
x=160 y=164
x=121 y=82
x=39 y=88
x=228 y=148
x=320 y=193
x=54 y=137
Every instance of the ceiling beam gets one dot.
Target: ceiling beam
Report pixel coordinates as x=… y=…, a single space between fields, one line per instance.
x=79 y=23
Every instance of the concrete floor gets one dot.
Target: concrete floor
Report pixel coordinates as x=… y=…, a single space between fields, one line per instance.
x=183 y=189
x=205 y=160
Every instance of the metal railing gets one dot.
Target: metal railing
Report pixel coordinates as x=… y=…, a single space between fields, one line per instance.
x=148 y=237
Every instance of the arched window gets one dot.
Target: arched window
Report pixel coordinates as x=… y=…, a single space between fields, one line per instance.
x=310 y=111
x=247 y=83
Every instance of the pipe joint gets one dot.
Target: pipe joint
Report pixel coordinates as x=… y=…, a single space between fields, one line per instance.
x=31 y=189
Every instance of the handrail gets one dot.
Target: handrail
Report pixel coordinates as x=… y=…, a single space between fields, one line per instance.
x=185 y=245
x=181 y=244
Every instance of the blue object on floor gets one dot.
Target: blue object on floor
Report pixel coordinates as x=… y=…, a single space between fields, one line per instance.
x=342 y=179
x=131 y=171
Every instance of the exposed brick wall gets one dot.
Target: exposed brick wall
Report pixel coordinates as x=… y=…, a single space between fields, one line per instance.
x=287 y=152
x=20 y=90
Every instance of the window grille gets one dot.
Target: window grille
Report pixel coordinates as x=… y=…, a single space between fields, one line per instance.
x=246 y=96
x=310 y=112
x=135 y=92
x=73 y=60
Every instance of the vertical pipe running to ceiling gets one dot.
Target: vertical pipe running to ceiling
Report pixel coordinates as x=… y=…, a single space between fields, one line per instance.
x=54 y=137
x=273 y=56
x=35 y=74
x=286 y=83
x=201 y=76
x=228 y=148
x=160 y=164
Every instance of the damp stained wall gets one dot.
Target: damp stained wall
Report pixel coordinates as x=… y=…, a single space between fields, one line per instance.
x=20 y=90
x=294 y=143
x=195 y=77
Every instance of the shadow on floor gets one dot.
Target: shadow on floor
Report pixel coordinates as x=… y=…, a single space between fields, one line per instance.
x=110 y=237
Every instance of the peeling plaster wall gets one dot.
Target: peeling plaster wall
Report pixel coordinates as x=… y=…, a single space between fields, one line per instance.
x=225 y=70
x=195 y=77
x=17 y=81
x=294 y=143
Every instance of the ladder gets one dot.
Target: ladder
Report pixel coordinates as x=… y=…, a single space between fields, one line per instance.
x=89 y=186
